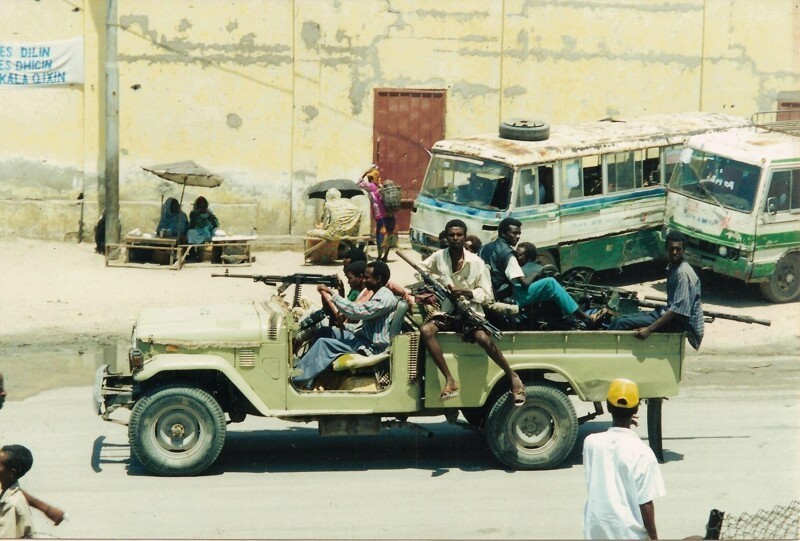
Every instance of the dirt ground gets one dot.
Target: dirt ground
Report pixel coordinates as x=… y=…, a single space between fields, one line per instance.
x=64 y=313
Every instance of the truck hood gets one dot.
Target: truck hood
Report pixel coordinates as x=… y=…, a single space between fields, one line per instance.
x=220 y=324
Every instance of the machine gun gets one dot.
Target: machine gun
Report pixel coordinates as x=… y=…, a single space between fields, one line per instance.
x=461 y=307
x=708 y=316
x=298 y=280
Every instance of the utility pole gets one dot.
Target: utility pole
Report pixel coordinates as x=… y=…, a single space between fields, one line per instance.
x=112 y=127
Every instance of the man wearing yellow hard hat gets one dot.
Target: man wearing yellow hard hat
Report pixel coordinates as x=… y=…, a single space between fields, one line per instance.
x=622 y=474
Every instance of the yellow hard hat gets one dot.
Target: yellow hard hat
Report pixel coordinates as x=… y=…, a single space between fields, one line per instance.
x=623 y=393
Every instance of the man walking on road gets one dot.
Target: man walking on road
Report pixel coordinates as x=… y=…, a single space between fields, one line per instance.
x=622 y=474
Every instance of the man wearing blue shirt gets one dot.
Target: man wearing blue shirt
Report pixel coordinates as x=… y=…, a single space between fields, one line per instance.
x=684 y=310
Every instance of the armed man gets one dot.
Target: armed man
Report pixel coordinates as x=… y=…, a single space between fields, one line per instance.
x=465 y=275
x=510 y=280
x=684 y=309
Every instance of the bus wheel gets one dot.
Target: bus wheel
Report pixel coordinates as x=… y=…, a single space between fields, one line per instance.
x=537 y=435
x=521 y=129
x=784 y=284
x=546 y=257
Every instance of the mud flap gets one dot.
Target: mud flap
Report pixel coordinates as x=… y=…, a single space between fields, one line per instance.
x=654 y=427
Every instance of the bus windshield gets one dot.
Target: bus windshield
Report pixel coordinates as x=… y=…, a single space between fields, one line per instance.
x=717 y=180
x=474 y=183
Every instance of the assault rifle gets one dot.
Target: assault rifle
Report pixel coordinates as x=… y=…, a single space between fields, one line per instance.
x=298 y=280
x=461 y=307
x=709 y=316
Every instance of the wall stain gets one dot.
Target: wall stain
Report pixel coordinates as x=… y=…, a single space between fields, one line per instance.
x=182 y=50
x=310 y=34
x=184 y=26
x=311 y=112
x=231 y=26
x=234 y=121
x=515 y=90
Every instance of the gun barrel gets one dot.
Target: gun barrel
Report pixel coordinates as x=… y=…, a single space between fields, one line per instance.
x=712 y=315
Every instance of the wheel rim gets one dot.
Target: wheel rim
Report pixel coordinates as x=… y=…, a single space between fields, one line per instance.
x=532 y=429
x=177 y=431
x=786 y=276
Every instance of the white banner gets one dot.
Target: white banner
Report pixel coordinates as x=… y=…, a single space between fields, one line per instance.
x=41 y=64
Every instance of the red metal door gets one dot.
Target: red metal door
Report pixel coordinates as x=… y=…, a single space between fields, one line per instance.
x=406 y=124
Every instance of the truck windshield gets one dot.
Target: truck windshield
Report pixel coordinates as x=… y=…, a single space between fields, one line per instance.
x=718 y=180
x=465 y=181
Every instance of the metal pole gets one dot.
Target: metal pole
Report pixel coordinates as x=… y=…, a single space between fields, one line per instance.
x=112 y=127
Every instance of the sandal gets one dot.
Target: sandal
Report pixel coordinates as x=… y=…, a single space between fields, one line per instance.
x=519 y=396
x=448 y=392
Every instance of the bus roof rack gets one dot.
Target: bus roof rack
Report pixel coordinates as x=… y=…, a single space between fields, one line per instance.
x=784 y=121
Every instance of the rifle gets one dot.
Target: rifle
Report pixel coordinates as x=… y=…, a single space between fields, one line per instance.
x=298 y=280
x=708 y=316
x=461 y=307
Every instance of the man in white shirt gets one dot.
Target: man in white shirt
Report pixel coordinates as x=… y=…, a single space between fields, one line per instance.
x=622 y=474
x=15 y=514
x=465 y=275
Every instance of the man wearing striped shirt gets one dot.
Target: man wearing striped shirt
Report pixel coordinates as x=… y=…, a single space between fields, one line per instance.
x=373 y=337
x=684 y=310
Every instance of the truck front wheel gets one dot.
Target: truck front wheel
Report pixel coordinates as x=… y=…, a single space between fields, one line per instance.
x=177 y=430
x=537 y=435
x=784 y=284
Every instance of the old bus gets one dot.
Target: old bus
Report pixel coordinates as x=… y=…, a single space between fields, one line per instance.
x=736 y=195
x=589 y=194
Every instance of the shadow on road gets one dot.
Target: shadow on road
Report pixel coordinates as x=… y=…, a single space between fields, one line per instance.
x=300 y=449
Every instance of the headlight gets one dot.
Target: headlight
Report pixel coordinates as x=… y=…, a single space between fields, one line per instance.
x=135 y=360
x=722 y=251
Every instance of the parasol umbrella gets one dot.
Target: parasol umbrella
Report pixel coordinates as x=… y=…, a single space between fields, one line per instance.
x=347 y=187
x=186 y=173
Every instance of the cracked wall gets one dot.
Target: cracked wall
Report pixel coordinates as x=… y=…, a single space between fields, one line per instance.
x=276 y=95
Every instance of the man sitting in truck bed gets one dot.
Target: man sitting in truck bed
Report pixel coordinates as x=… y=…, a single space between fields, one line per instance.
x=373 y=336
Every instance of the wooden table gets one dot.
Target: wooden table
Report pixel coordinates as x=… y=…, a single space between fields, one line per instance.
x=140 y=250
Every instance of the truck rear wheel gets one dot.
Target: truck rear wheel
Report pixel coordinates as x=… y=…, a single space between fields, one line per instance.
x=535 y=436
x=784 y=284
x=177 y=431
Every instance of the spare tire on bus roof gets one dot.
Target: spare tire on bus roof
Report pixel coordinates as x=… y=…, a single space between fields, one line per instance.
x=523 y=129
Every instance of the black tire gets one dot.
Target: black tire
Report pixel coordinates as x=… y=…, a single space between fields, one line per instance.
x=521 y=129
x=545 y=258
x=784 y=284
x=535 y=436
x=177 y=431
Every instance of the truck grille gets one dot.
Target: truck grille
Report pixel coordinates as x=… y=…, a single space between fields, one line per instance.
x=245 y=358
x=413 y=357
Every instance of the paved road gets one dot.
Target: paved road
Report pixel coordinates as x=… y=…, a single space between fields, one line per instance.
x=732 y=448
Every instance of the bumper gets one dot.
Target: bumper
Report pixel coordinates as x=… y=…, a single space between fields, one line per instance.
x=111 y=391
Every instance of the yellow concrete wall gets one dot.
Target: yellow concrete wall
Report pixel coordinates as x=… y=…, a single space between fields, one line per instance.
x=278 y=94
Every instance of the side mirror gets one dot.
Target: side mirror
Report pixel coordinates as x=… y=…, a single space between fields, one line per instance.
x=772 y=206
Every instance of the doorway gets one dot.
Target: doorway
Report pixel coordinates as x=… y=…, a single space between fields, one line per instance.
x=406 y=125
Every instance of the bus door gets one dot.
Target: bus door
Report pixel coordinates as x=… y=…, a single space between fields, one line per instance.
x=777 y=226
x=535 y=206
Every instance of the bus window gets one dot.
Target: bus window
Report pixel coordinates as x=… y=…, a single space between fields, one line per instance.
x=625 y=170
x=650 y=166
x=672 y=157
x=526 y=191
x=546 y=187
x=784 y=191
x=572 y=180
x=592 y=176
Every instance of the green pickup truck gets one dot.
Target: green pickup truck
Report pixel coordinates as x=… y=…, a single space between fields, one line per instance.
x=193 y=370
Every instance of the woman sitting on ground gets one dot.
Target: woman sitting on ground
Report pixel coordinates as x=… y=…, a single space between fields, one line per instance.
x=202 y=223
x=173 y=222
x=340 y=217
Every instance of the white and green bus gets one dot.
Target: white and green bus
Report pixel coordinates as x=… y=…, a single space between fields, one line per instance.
x=589 y=195
x=736 y=195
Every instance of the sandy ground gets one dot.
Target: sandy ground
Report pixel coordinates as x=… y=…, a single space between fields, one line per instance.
x=64 y=313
